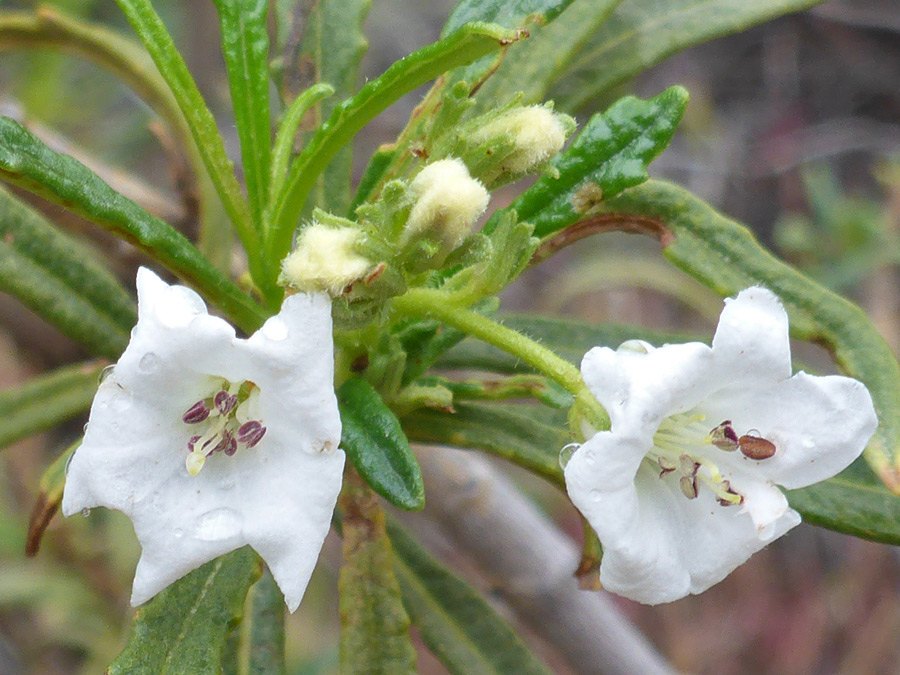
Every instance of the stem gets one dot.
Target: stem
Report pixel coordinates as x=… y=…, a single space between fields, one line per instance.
x=438 y=305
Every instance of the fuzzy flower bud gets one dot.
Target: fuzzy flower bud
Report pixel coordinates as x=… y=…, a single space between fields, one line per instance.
x=537 y=132
x=325 y=260
x=448 y=201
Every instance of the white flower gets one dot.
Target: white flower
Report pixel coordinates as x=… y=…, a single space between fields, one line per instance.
x=682 y=489
x=209 y=442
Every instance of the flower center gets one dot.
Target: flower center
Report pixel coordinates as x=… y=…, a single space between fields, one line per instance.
x=224 y=422
x=684 y=447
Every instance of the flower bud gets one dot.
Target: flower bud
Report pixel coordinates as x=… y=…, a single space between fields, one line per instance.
x=325 y=259
x=537 y=133
x=447 y=202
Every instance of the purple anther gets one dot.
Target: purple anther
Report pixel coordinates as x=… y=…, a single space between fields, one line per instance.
x=230 y=444
x=196 y=413
x=250 y=433
x=191 y=442
x=226 y=402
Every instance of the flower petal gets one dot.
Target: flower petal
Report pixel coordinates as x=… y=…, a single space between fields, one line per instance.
x=751 y=341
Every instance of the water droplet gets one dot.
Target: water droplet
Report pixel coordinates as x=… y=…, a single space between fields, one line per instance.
x=596 y=495
x=85 y=512
x=218 y=524
x=69 y=462
x=275 y=329
x=85 y=428
x=149 y=363
x=121 y=402
x=636 y=346
x=226 y=483
x=566 y=453
x=178 y=532
x=106 y=372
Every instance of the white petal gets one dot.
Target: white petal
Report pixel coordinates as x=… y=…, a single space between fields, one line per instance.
x=639 y=389
x=751 y=341
x=819 y=425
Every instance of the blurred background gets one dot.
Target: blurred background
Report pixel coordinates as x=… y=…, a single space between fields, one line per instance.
x=793 y=128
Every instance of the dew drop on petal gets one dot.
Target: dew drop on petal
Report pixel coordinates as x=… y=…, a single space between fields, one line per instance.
x=84 y=428
x=178 y=532
x=218 y=524
x=120 y=403
x=636 y=346
x=69 y=463
x=226 y=483
x=566 y=454
x=106 y=372
x=596 y=495
x=85 y=512
x=275 y=329
x=149 y=363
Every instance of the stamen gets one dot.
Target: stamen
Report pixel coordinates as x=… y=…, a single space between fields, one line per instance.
x=724 y=437
x=251 y=433
x=756 y=447
x=196 y=413
x=665 y=465
x=225 y=402
x=688 y=485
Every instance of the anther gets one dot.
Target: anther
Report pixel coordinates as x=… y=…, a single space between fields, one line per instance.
x=756 y=447
x=688 y=485
x=724 y=437
x=665 y=466
x=689 y=466
x=250 y=433
x=196 y=413
x=225 y=402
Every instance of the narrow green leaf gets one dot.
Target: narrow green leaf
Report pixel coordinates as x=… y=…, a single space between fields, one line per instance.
x=568 y=338
x=26 y=161
x=183 y=628
x=245 y=46
x=330 y=48
x=374 y=625
x=530 y=436
x=507 y=13
x=47 y=400
x=60 y=280
x=263 y=629
x=379 y=162
x=50 y=493
x=374 y=442
x=454 y=620
x=641 y=33
x=610 y=154
x=463 y=46
x=726 y=257
x=153 y=34
x=531 y=66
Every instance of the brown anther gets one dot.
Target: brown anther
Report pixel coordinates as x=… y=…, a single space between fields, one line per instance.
x=756 y=447
x=724 y=437
x=688 y=486
x=665 y=466
x=689 y=467
x=375 y=273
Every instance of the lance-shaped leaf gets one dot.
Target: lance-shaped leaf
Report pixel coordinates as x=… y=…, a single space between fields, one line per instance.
x=454 y=620
x=60 y=279
x=50 y=492
x=245 y=46
x=324 y=42
x=726 y=257
x=374 y=625
x=641 y=33
x=183 y=629
x=26 y=161
x=262 y=630
x=375 y=443
x=853 y=502
x=610 y=154
x=47 y=400
x=463 y=46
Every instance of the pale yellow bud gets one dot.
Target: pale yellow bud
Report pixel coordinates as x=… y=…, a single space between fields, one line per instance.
x=537 y=132
x=448 y=201
x=325 y=260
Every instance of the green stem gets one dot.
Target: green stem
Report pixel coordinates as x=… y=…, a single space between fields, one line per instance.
x=438 y=305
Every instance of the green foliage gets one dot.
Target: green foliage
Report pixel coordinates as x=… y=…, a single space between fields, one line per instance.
x=61 y=280
x=456 y=623
x=641 y=33
x=375 y=443
x=503 y=12
x=183 y=628
x=610 y=154
x=26 y=161
x=262 y=629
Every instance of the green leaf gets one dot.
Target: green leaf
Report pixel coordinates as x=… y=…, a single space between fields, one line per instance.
x=59 y=278
x=530 y=67
x=50 y=494
x=330 y=48
x=263 y=629
x=374 y=625
x=454 y=620
x=507 y=13
x=568 y=338
x=641 y=33
x=153 y=34
x=530 y=436
x=47 y=400
x=610 y=154
x=726 y=257
x=245 y=46
x=26 y=161
x=463 y=46
x=374 y=442
x=183 y=628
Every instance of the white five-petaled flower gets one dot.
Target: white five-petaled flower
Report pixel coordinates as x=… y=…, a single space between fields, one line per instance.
x=682 y=489
x=209 y=442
